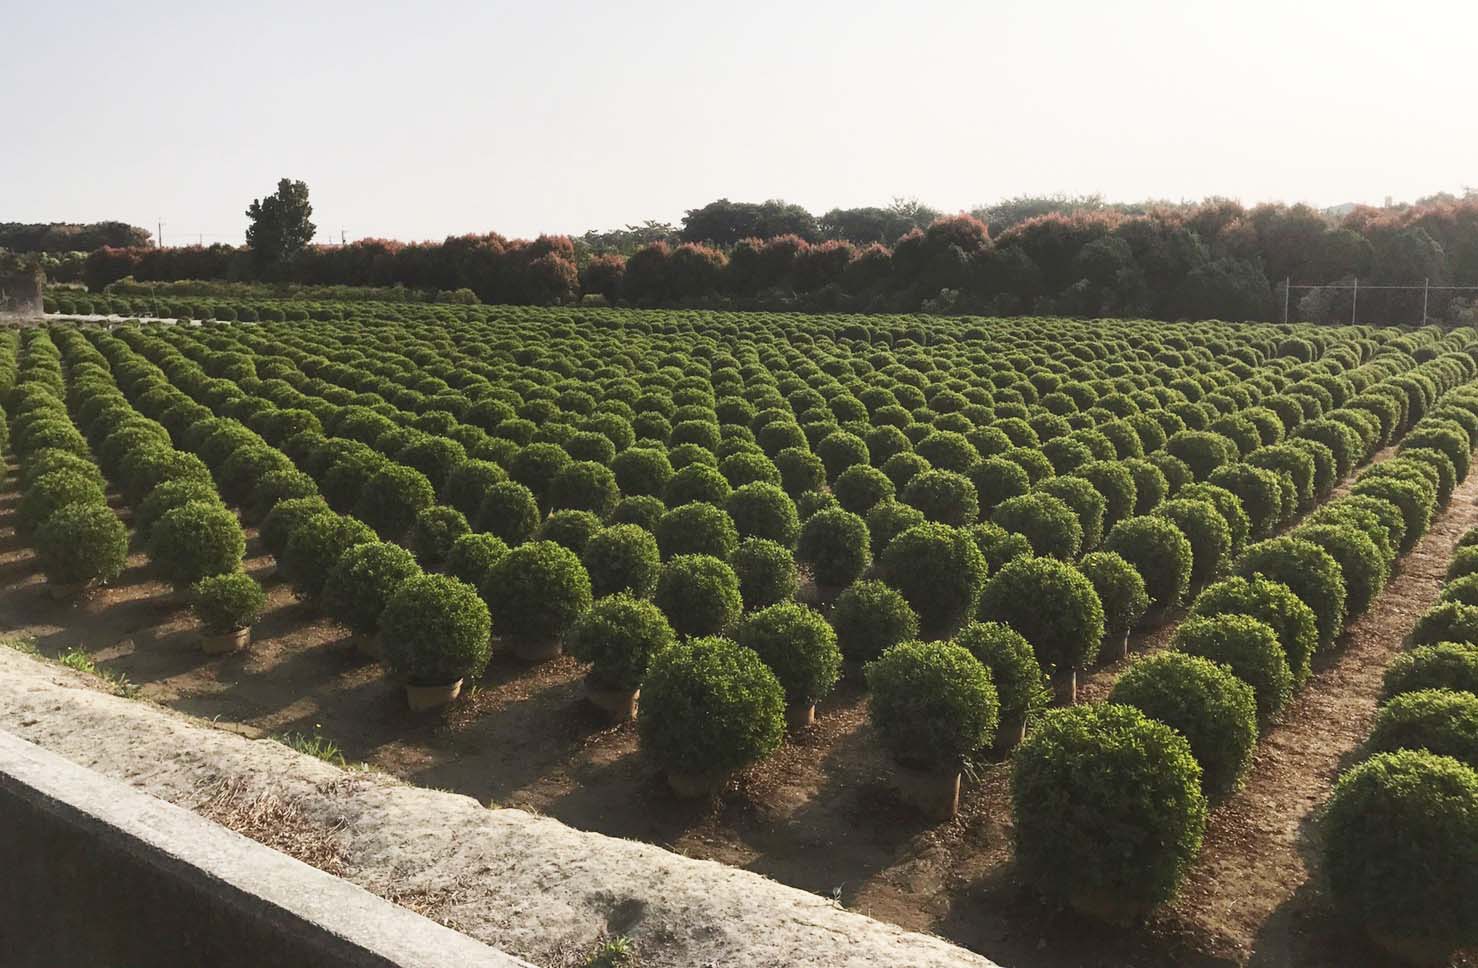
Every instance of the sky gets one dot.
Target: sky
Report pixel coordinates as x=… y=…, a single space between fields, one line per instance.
x=417 y=121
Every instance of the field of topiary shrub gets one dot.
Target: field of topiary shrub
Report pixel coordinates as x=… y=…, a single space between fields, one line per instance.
x=727 y=515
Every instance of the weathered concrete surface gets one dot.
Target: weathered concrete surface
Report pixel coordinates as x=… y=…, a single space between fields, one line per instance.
x=97 y=873
x=527 y=885
x=20 y=291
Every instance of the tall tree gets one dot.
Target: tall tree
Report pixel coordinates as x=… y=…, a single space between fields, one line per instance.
x=279 y=227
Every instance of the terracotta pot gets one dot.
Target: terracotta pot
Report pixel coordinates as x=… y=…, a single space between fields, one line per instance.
x=619 y=704
x=538 y=650
x=692 y=785
x=421 y=698
x=1010 y=733
x=934 y=793
x=67 y=591
x=1411 y=951
x=1108 y=906
x=1065 y=687
x=800 y=715
x=233 y=641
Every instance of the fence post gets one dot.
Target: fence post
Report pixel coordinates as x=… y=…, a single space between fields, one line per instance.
x=1354 y=299
x=1287 y=280
x=1426 y=288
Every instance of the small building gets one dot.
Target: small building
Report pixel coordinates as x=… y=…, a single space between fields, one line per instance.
x=20 y=289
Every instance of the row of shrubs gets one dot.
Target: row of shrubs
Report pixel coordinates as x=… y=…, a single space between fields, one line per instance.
x=1400 y=833
x=1179 y=728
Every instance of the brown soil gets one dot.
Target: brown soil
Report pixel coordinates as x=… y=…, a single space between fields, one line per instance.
x=820 y=815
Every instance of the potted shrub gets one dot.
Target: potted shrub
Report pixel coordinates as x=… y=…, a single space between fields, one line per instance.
x=1446 y=622
x=1055 y=608
x=436 y=633
x=870 y=617
x=1441 y=721
x=392 y=498
x=510 y=511
x=79 y=545
x=711 y=707
x=227 y=605
x=1446 y=665
x=1401 y=853
x=699 y=594
x=933 y=706
x=697 y=529
x=835 y=544
x=1122 y=592
x=763 y=510
x=623 y=558
x=801 y=649
x=537 y=590
x=1212 y=708
x=316 y=547
x=196 y=540
x=944 y=496
x=284 y=519
x=570 y=529
x=1206 y=530
x=1249 y=648
x=939 y=570
x=766 y=572
x=473 y=555
x=1021 y=687
x=1108 y=809
x=1309 y=571
x=1159 y=552
x=619 y=636
x=361 y=583
x=1271 y=602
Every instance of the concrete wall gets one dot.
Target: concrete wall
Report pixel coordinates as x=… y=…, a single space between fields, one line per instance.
x=95 y=873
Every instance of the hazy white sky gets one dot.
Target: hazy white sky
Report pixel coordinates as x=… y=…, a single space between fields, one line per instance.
x=421 y=120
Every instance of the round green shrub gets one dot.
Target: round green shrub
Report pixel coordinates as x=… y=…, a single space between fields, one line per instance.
x=623 y=558
x=1159 y=551
x=536 y=465
x=1361 y=564
x=939 y=570
x=749 y=467
x=699 y=594
x=1464 y=590
x=902 y=468
x=169 y=495
x=1446 y=622
x=1047 y=523
x=998 y=545
x=697 y=529
x=619 y=636
x=585 y=486
x=44 y=495
x=392 y=498
x=1464 y=562
x=887 y=520
x=1021 y=687
x=932 y=703
x=468 y=483
x=275 y=486
x=841 y=450
x=195 y=540
x=1440 y=721
x=642 y=471
x=997 y=479
x=1204 y=528
x=572 y=529
x=1113 y=480
x=1401 y=849
x=710 y=705
x=1249 y=648
x=1053 y=605
x=227 y=602
x=537 y=590
x=871 y=617
x=435 y=530
x=943 y=496
x=1107 y=804
x=696 y=482
x=861 y=487
x=1120 y=590
x=800 y=471
x=1415 y=501
x=1309 y=571
x=1272 y=603
x=473 y=555
x=762 y=510
x=1444 y=665
x=1204 y=702
x=799 y=647
x=509 y=511
x=362 y=582
x=82 y=542
x=284 y=519
x=315 y=547
x=766 y=572
x=836 y=546
x=1439 y=462
x=436 y=630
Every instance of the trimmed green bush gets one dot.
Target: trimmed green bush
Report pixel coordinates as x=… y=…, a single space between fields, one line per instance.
x=1108 y=807
x=1120 y=590
x=1021 y=686
x=1206 y=703
x=859 y=488
x=435 y=530
x=83 y=542
x=468 y=483
x=509 y=511
x=887 y=520
x=1159 y=551
x=585 y=486
x=766 y=572
x=619 y=636
x=169 y=495
x=943 y=496
x=473 y=555
x=227 y=602
x=697 y=529
x=696 y=482
x=1401 y=850
x=44 y=495
x=362 y=583
x=642 y=471
x=1249 y=648
x=1440 y=721
x=799 y=647
x=1053 y=605
x=1272 y=603
x=932 y=704
x=762 y=510
x=623 y=558
x=1084 y=500
x=194 y=541
x=316 y=546
x=392 y=498
x=836 y=546
x=998 y=545
x=710 y=705
x=699 y=594
x=1309 y=571
x=1446 y=622
x=1361 y=564
x=940 y=572
x=1048 y=524
x=997 y=479
x=537 y=590
x=284 y=520
x=436 y=630
x=1444 y=665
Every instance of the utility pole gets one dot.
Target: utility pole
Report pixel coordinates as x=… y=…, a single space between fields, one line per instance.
x=1426 y=289
x=1354 y=300
x=1287 y=284
x=160 y=237
x=342 y=237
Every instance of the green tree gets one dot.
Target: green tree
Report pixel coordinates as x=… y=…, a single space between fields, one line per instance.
x=279 y=226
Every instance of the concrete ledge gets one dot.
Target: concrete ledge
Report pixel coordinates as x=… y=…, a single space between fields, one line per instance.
x=96 y=873
x=527 y=885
